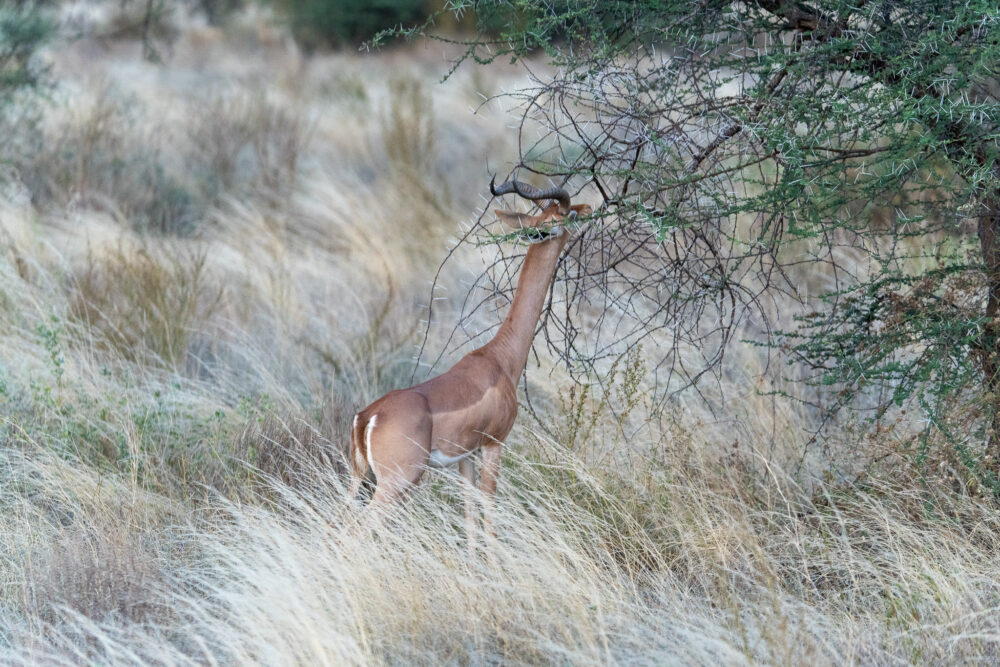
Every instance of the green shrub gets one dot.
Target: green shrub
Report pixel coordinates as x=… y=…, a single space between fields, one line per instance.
x=339 y=22
x=23 y=30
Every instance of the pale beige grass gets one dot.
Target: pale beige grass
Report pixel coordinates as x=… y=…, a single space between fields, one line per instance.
x=188 y=506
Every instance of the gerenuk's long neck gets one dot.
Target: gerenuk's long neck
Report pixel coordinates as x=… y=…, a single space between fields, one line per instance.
x=513 y=341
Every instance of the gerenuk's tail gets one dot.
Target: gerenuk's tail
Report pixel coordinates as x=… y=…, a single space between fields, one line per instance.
x=359 y=452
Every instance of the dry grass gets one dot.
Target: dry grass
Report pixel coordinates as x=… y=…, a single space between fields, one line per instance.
x=144 y=303
x=727 y=577
x=243 y=141
x=178 y=385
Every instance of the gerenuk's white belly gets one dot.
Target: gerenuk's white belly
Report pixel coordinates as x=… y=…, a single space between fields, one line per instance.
x=440 y=460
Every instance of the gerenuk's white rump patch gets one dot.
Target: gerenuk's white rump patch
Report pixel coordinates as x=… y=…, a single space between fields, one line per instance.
x=368 y=441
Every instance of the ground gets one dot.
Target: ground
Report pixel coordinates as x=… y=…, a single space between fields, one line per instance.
x=210 y=262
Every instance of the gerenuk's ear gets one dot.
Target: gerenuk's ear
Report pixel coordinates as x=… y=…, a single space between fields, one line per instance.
x=511 y=220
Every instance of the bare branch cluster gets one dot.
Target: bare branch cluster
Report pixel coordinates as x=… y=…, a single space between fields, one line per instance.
x=754 y=162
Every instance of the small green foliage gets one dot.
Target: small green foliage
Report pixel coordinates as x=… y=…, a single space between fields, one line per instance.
x=583 y=407
x=526 y=235
x=50 y=332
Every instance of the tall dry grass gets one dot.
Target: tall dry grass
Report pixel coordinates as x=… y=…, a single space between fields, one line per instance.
x=180 y=371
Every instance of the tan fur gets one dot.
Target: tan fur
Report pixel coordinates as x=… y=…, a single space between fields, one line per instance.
x=474 y=404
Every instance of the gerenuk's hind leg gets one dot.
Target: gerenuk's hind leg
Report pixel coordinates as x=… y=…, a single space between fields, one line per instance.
x=467 y=469
x=491 y=471
x=399 y=445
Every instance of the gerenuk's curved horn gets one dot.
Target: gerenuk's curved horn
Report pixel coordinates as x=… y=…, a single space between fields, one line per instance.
x=531 y=192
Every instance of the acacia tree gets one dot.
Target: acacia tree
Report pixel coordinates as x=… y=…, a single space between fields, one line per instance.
x=741 y=147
